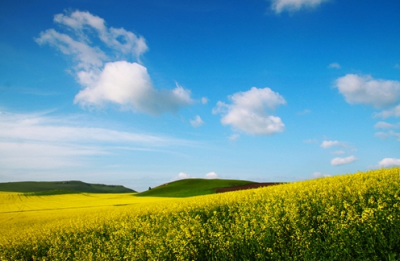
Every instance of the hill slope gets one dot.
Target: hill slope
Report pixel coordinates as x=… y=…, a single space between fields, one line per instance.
x=61 y=187
x=192 y=187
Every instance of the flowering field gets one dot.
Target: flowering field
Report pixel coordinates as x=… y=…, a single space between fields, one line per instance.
x=349 y=217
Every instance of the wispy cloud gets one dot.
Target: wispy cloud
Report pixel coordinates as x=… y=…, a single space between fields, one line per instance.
x=118 y=39
x=320 y=175
x=197 y=122
x=310 y=141
x=32 y=141
x=382 y=135
x=294 y=5
x=331 y=143
x=338 y=152
x=386 y=135
x=107 y=75
x=35 y=155
x=248 y=111
x=395 y=134
x=394 y=112
x=385 y=125
x=306 y=111
x=342 y=161
x=234 y=136
x=30 y=127
x=334 y=66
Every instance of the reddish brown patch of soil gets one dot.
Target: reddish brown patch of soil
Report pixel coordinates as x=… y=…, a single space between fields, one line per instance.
x=248 y=186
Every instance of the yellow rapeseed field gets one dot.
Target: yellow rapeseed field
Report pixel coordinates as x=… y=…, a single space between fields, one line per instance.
x=349 y=217
x=19 y=213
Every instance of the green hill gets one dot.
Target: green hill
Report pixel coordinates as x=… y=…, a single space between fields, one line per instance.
x=192 y=187
x=61 y=187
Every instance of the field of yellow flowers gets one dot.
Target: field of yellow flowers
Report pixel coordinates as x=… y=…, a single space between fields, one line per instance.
x=349 y=217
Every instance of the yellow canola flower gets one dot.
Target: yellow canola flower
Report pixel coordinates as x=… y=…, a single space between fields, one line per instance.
x=348 y=217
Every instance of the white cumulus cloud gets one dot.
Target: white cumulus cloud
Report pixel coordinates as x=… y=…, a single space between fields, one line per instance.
x=107 y=76
x=129 y=85
x=330 y=143
x=248 y=111
x=342 y=161
x=366 y=90
x=197 y=121
x=211 y=175
x=294 y=5
x=387 y=162
x=182 y=175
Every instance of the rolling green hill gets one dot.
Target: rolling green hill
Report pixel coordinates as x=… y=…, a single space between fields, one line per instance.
x=61 y=187
x=192 y=187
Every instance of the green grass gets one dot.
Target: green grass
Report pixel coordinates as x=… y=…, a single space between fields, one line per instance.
x=192 y=187
x=60 y=187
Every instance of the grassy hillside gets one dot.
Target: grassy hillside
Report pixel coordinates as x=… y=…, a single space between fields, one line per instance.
x=192 y=187
x=61 y=187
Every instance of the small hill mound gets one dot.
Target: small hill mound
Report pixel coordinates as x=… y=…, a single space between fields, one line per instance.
x=61 y=187
x=192 y=187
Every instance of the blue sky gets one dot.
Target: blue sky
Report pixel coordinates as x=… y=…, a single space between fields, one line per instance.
x=140 y=93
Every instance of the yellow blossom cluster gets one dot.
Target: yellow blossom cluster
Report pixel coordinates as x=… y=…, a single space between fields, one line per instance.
x=348 y=217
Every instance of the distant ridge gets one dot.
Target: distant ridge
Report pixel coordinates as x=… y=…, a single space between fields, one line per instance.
x=62 y=186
